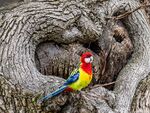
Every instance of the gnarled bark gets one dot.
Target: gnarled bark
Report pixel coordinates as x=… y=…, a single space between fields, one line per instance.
x=141 y=99
x=72 y=27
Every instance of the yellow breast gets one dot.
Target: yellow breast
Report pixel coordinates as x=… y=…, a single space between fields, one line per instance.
x=83 y=81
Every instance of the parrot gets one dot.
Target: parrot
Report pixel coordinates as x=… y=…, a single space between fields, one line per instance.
x=78 y=79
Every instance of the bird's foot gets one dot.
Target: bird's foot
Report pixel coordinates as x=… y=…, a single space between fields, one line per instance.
x=80 y=94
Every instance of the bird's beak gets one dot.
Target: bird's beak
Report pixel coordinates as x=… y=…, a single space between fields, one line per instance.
x=91 y=59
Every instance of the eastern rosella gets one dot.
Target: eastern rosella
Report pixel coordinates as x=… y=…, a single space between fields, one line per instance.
x=78 y=79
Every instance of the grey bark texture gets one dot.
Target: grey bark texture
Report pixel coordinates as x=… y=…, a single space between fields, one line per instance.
x=41 y=43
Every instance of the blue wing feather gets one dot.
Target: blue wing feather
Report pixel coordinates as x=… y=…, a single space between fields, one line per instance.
x=72 y=78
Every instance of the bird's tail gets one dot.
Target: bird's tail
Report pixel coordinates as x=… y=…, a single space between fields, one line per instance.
x=55 y=93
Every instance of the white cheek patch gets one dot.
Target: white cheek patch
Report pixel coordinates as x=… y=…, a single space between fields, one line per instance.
x=87 y=60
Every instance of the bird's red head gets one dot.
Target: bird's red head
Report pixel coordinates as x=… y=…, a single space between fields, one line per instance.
x=86 y=57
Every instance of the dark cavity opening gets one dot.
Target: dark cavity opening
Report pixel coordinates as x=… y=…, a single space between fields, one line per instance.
x=118 y=38
x=94 y=46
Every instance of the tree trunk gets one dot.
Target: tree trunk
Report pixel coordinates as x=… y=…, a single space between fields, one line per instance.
x=41 y=42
